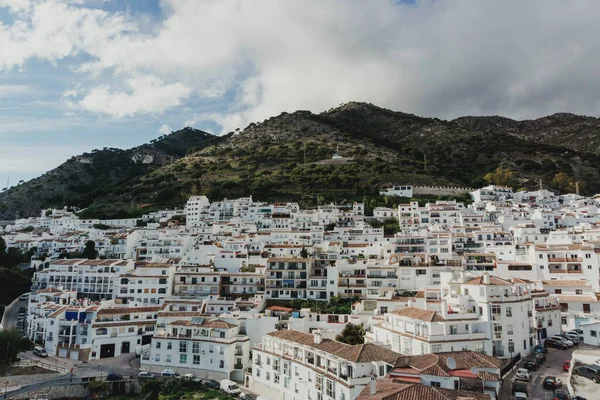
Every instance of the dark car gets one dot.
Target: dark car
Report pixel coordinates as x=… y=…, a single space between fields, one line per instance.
x=541 y=357
x=540 y=349
x=555 y=343
x=552 y=382
x=113 y=376
x=211 y=384
x=519 y=387
x=562 y=394
x=589 y=371
x=531 y=364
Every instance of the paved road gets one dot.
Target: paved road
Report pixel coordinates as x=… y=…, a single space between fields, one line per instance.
x=12 y=314
x=552 y=366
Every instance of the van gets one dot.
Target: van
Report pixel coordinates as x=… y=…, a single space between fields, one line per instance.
x=230 y=387
x=40 y=351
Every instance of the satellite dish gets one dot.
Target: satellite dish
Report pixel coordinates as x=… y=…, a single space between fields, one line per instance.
x=451 y=363
x=474 y=371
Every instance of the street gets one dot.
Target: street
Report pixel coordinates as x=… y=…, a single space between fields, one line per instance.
x=12 y=314
x=552 y=366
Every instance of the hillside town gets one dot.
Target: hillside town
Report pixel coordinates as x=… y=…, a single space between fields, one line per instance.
x=261 y=293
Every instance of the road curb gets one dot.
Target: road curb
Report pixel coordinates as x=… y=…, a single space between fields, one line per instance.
x=7 y=309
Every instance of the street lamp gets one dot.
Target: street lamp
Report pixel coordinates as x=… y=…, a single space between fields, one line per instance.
x=511 y=349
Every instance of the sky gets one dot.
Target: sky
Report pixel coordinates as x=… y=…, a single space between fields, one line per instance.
x=76 y=75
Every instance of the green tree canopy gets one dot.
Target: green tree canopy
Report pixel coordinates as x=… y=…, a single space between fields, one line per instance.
x=352 y=334
x=501 y=177
x=89 y=251
x=11 y=344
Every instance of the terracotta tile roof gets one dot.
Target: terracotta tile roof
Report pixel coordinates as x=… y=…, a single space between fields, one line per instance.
x=437 y=364
x=494 y=280
x=280 y=308
x=388 y=389
x=577 y=297
x=557 y=282
x=214 y=323
x=420 y=314
x=360 y=353
x=50 y=290
x=126 y=310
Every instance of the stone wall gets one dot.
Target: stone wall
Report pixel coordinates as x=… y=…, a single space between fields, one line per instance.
x=441 y=190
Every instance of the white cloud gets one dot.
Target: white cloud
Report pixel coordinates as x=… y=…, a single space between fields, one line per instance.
x=164 y=129
x=437 y=58
x=14 y=90
x=147 y=94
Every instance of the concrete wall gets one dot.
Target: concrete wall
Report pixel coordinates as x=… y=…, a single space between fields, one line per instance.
x=441 y=190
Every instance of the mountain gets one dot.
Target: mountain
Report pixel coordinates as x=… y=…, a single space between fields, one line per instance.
x=77 y=181
x=289 y=157
x=575 y=132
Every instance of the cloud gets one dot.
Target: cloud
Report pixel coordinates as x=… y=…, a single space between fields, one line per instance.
x=14 y=90
x=164 y=129
x=39 y=158
x=147 y=94
x=247 y=61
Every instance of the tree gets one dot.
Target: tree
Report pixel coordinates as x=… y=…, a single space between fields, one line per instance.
x=352 y=334
x=11 y=344
x=304 y=252
x=90 y=250
x=564 y=182
x=501 y=177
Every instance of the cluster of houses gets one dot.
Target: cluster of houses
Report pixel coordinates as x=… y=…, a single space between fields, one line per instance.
x=231 y=289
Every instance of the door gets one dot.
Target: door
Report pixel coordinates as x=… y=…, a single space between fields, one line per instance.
x=146 y=339
x=586 y=308
x=124 y=347
x=74 y=355
x=107 y=350
x=62 y=353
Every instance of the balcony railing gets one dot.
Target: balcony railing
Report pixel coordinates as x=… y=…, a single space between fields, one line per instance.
x=566 y=271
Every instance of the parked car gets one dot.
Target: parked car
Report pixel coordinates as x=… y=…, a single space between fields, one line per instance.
x=563 y=394
x=230 y=387
x=519 y=396
x=589 y=371
x=531 y=364
x=562 y=339
x=541 y=357
x=540 y=348
x=572 y=338
x=169 y=373
x=523 y=374
x=552 y=382
x=597 y=362
x=247 y=396
x=519 y=387
x=575 y=334
x=113 y=376
x=24 y=296
x=190 y=377
x=567 y=365
x=146 y=375
x=40 y=351
x=559 y=344
x=211 y=384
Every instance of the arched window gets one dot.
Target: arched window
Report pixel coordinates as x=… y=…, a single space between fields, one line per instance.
x=101 y=331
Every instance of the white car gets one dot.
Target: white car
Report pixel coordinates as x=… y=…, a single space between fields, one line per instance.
x=574 y=333
x=519 y=396
x=597 y=362
x=523 y=374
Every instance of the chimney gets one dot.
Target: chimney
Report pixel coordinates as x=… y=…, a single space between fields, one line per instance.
x=486 y=278
x=372 y=386
x=318 y=336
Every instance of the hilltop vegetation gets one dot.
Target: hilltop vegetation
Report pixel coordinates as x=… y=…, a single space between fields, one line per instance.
x=289 y=157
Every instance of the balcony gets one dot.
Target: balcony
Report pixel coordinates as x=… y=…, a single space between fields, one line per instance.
x=238 y=366
x=566 y=271
x=457 y=337
x=565 y=259
x=239 y=352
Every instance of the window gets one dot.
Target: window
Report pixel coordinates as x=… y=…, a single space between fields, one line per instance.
x=509 y=329
x=563 y=320
x=182 y=346
x=195 y=348
x=183 y=359
x=211 y=349
x=578 y=291
x=196 y=360
x=508 y=311
x=157 y=344
x=436 y=348
x=330 y=388
x=435 y=384
x=589 y=267
x=496 y=310
x=101 y=331
x=168 y=358
x=169 y=345
x=222 y=364
x=593 y=333
x=221 y=350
